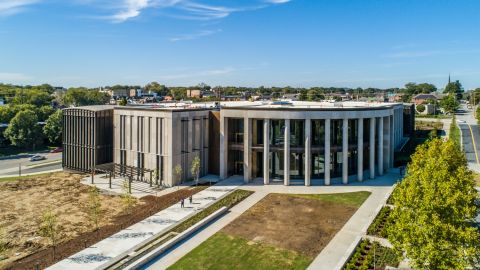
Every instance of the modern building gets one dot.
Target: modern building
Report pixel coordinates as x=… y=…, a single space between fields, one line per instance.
x=87 y=137
x=306 y=141
x=289 y=142
x=160 y=139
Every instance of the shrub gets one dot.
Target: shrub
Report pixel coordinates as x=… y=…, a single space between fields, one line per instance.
x=420 y=108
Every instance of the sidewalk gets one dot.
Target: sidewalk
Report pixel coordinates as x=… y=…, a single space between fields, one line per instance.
x=335 y=254
x=184 y=248
x=126 y=240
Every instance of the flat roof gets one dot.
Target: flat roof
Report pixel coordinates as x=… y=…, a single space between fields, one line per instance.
x=92 y=108
x=306 y=105
x=173 y=107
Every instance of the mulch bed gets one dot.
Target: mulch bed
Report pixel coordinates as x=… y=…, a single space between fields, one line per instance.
x=293 y=223
x=150 y=206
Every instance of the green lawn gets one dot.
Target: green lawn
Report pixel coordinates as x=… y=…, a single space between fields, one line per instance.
x=222 y=251
x=354 y=199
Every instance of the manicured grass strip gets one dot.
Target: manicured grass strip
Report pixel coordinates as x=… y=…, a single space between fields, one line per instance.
x=229 y=201
x=354 y=199
x=455 y=132
x=224 y=252
x=438 y=116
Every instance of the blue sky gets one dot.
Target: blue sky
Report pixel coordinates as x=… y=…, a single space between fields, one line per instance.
x=352 y=43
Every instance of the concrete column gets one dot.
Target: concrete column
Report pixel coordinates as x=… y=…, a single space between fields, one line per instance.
x=266 y=151
x=286 y=154
x=247 y=146
x=223 y=147
x=380 y=146
x=345 y=152
x=327 y=152
x=360 y=150
x=392 y=141
x=308 y=152
x=387 y=143
x=372 y=148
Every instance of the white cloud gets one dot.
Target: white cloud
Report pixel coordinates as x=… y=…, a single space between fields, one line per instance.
x=196 y=35
x=416 y=54
x=131 y=9
x=10 y=7
x=181 y=9
x=277 y=1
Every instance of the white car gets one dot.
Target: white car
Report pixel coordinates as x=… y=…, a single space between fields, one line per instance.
x=37 y=158
x=461 y=121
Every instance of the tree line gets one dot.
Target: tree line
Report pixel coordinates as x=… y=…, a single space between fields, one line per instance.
x=27 y=106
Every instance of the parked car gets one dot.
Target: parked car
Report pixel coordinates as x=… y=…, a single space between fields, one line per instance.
x=37 y=158
x=57 y=150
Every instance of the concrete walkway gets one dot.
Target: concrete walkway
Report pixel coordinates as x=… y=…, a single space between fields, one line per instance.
x=335 y=253
x=126 y=240
x=184 y=248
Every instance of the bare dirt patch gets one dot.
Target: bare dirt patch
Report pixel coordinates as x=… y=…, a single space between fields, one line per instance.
x=293 y=223
x=22 y=203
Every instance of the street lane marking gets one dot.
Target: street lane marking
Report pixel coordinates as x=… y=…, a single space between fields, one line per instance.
x=473 y=140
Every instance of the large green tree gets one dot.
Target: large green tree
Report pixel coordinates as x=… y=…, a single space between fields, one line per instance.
x=449 y=103
x=82 y=96
x=435 y=205
x=455 y=88
x=155 y=87
x=32 y=96
x=53 y=127
x=23 y=130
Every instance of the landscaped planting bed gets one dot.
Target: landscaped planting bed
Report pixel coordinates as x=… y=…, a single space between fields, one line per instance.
x=380 y=224
x=229 y=201
x=370 y=255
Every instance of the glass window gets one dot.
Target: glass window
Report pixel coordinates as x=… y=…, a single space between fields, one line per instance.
x=296 y=133
x=277 y=132
x=235 y=130
x=318 y=133
x=318 y=166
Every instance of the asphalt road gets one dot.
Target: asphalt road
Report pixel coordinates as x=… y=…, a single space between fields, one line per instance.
x=470 y=134
x=10 y=166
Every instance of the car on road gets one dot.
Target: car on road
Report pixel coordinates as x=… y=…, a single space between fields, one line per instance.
x=37 y=158
x=461 y=121
x=57 y=150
